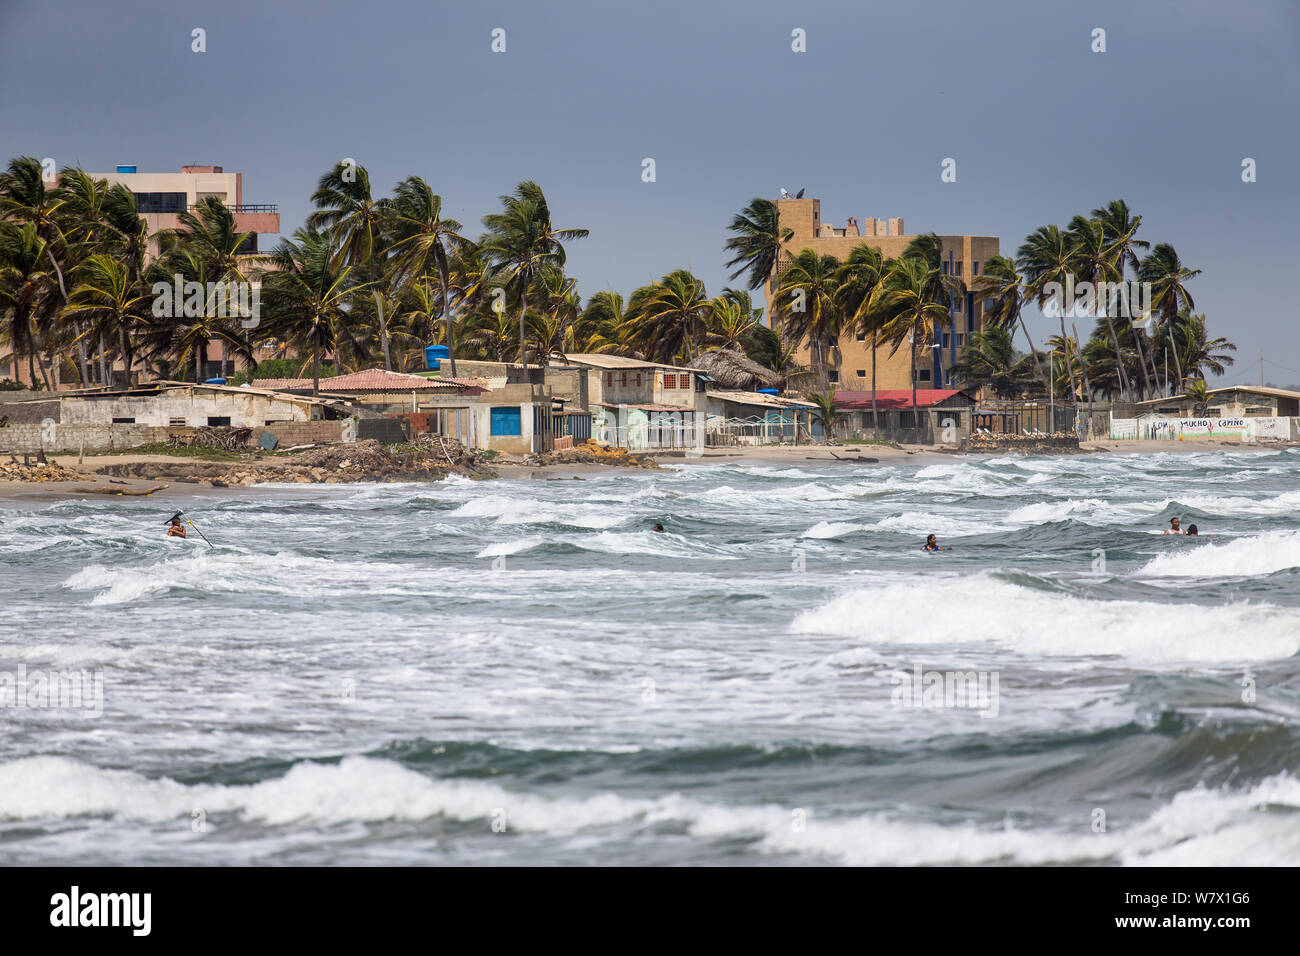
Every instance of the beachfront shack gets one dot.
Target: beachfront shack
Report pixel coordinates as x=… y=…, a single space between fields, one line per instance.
x=756 y=418
x=102 y=419
x=1230 y=401
x=641 y=405
x=941 y=415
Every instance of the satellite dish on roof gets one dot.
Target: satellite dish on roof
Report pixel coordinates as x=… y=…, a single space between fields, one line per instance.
x=799 y=194
x=785 y=193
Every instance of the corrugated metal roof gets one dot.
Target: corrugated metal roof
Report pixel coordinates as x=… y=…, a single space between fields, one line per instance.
x=1258 y=389
x=599 y=360
x=758 y=398
x=648 y=407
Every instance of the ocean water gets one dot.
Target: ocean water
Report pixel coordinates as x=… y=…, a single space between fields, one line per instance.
x=521 y=672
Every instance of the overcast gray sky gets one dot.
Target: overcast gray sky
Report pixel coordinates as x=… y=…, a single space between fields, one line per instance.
x=1041 y=127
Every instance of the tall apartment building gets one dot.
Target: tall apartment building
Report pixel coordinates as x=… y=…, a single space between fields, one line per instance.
x=849 y=358
x=161 y=198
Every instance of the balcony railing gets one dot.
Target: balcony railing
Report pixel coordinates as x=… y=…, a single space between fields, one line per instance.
x=251 y=207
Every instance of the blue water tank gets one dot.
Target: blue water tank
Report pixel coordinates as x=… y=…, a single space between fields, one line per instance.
x=214 y=381
x=434 y=354
x=769 y=391
x=126 y=169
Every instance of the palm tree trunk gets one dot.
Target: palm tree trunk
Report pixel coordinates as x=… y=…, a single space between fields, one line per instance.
x=1119 y=359
x=1178 y=364
x=383 y=330
x=1069 y=366
x=446 y=311
x=916 y=415
x=1038 y=362
x=1142 y=362
x=875 y=411
x=82 y=359
x=523 y=313
x=103 y=362
x=315 y=365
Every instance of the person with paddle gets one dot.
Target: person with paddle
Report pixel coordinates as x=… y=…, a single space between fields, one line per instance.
x=177 y=530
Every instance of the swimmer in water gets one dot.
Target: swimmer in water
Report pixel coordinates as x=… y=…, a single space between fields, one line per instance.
x=1174 y=527
x=932 y=545
x=177 y=530
x=657 y=527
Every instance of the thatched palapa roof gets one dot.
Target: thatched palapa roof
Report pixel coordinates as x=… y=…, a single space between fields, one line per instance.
x=736 y=371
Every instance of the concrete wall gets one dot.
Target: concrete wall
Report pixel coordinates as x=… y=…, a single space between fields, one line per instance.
x=30 y=413
x=194 y=407
x=304 y=433
x=72 y=437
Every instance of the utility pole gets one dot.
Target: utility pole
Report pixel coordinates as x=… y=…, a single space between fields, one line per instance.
x=1261 y=366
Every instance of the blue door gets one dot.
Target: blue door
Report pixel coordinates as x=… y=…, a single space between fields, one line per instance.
x=506 y=421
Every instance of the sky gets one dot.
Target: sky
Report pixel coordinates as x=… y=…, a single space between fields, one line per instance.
x=1041 y=126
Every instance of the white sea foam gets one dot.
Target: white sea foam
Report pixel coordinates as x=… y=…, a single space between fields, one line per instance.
x=1240 y=557
x=1197 y=827
x=984 y=609
x=831 y=529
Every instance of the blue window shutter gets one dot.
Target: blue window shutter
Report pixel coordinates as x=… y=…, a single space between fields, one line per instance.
x=506 y=421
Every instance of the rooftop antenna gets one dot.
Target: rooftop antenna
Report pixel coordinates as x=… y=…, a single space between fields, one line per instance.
x=799 y=194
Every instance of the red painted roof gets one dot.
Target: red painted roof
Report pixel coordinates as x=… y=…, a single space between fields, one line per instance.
x=372 y=380
x=897 y=397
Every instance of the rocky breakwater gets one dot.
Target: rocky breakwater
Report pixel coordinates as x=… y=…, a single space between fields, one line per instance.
x=368 y=460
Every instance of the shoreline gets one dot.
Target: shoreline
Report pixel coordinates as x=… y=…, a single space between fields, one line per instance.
x=819 y=456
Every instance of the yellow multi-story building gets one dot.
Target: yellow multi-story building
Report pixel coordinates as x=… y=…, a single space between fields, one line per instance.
x=849 y=357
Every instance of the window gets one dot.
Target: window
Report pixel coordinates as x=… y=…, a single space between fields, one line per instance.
x=862 y=336
x=958 y=306
x=623 y=379
x=1168 y=410
x=861 y=373
x=638 y=380
x=609 y=378
x=176 y=422
x=958 y=267
x=923 y=375
x=907 y=419
x=506 y=421
x=160 y=202
x=833 y=377
x=945 y=268
x=1259 y=410
x=218 y=421
x=975 y=269
x=124 y=421
x=1214 y=412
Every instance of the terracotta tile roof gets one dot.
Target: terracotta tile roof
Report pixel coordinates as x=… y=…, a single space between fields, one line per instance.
x=372 y=380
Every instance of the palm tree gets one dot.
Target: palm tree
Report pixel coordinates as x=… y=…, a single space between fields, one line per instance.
x=807 y=305
x=307 y=291
x=758 y=242
x=825 y=411
x=1045 y=258
x=108 y=294
x=1186 y=337
x=558 y=309
x=25 y=279
x=858 y=283
x=989 y=360
x=1096 y=261
x=356 y=222
x=913 y=313
x=1199 y=393
x=1169 y=296
x=521 y=241
x=595 y=329
x=1120 y=226
x=1001 y=290
x=667 y=318
x=425 y=241
x=732 y=317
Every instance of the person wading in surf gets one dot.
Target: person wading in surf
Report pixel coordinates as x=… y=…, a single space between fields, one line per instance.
x=177 y=530
x=932 y=545
x=1174 y=527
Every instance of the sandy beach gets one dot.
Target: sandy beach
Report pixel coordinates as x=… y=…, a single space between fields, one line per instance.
x=819 y=455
